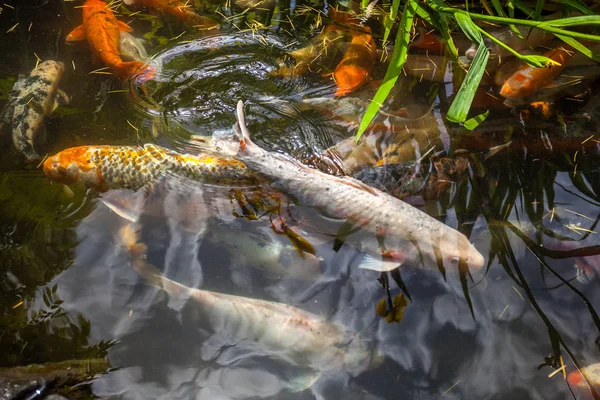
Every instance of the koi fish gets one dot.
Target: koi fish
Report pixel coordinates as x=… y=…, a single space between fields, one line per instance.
x=267 y=253
x=587 y=379
x=102 y=30
x=280 y=330
x=130 y=167
x=30 y=102
x=132 y=48
x=357 y=65
x=527 y=79
x=396 y=233
x=178 y=10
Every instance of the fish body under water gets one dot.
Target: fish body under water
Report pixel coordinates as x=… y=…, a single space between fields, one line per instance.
x=180 y=11
x=267 y=252
x=283 y=331
x=397 y=233
x=132 y=167
x=132 y=48
x=30 y=102
x=102 y=31
x=527 y=79
x=357 y=64
x=586 y=380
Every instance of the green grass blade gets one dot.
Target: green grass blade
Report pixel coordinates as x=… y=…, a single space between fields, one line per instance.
x=394 y=69
x=462 y=102
x=468 y=27
x=389 y=20
x=539 y=6
x=582 y=8
x=440 y=21
x=572 y=21
x=474 y=122
x=500 y=12
x=579 y=47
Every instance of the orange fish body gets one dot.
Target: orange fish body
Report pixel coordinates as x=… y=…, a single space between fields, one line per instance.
x=527 y=80
x=102 y=31
x=357 y=65
x=180 y=11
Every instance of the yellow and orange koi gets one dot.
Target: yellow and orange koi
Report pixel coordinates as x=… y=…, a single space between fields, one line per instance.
x=527 y=79
x=102 y=30
x=357 y=65
x=178 y=10
x=132 y=167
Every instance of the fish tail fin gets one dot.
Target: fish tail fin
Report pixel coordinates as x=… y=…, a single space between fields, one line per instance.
x=236 y=141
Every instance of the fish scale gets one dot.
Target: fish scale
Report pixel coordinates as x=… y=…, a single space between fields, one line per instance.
x=131 y=167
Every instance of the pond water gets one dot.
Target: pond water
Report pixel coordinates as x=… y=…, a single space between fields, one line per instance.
x=69 y=292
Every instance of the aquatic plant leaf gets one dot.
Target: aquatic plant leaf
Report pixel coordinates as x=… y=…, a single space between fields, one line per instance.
x=474 y=122
x=578 y=46
x=389 y=21
x=397 y=61
x=500 y=11
x=464 y=98
x=578 y=6
x=440 y=21
x=469 y=28
x=538 y=61
x=572 y=21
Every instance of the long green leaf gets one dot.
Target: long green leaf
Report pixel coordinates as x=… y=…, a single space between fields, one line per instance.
x=468 y=27
x=572 y=21
x=500 y=12
x=440 y=21
x=389 y=21
x=579 y=47
x=397 y=61
x=459 y=109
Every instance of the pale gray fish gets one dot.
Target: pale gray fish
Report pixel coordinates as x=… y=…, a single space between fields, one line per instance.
x=266 y=251
x=391 y=232
x=132 y=48
x=35 y=98
x=279 y=330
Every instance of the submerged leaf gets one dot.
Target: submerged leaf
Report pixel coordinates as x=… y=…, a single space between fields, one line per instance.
x=462 y=102
x=474 y=122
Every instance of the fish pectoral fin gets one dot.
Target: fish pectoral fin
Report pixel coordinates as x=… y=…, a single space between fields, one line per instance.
x=124 y=27
x=378 y=264
x=61 y=99
x=76 y=34
x=303 y=381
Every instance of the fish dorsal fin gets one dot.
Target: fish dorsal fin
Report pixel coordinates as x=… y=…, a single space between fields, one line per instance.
x=76 y=34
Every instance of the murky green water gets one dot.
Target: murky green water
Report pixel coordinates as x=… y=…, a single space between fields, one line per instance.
x=68 y=290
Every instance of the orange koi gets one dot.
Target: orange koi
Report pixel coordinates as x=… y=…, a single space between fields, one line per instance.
x=102 y=30
x=178 y=10
x=527 y=80
x=357 y=65
x=131 y=167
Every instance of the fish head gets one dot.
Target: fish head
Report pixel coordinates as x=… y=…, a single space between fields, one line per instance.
x=361 y=355
x=72 y=166
x=452 y=250
x=52 y=68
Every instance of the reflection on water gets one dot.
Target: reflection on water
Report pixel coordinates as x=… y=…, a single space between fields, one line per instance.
x=525 y=192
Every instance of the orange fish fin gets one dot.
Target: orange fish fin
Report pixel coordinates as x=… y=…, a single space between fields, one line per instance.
x=124 y=27
x=76 y=34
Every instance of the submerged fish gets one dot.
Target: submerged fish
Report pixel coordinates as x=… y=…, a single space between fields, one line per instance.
x=267 y=252
x=279 y=330
x=357 y=65
x=132 y=48
x=31 y=101
x=178 y=10
x=527 y=79
x=396 y=233
x=131 y=167
x=102 y=31
x=587 y=380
